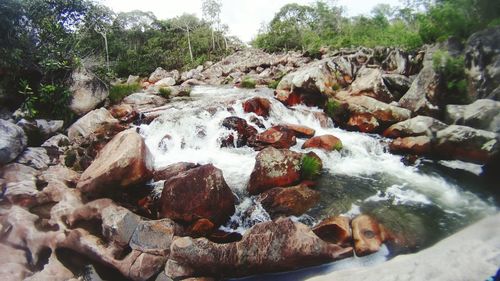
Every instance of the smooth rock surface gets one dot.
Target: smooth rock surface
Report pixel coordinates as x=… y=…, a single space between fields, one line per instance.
x=289 y=201
x=417 y=126
x=482 y=114
x=90 y=123
x=87 y=91
x=13 y=141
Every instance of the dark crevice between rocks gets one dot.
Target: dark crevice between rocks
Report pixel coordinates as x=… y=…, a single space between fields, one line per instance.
x=93 y=226
x=82 y=266
x=124 y=252
x=43 y=259
x=41 y=184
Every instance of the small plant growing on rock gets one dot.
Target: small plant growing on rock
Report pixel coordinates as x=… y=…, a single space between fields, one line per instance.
x=310 y=167
x=452 y=71
x=165 y=92
x=273 y=84
x=120 y=91
x=332 y=107
x=336 y=87
x=248 y=83
x=338 y=146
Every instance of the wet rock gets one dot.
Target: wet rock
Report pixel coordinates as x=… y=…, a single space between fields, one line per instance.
x=288 y=98
x=143 y=101
x=274 y=168
x=124 y=161
x=20 y=184
x=482 y=62
x=87 y=91
x=367 y=235
x=197 y=193
x=267 y=247
x=289 y=201
x=466 y=144
x=420 y=145
x=243 y=130
x=326 y=142
x=173 y=170
x=277 y=137
x=482 y=114
x=334 y=230
x=91 y=123
x=40 y=130
x=257 y=105
x=417 y=126
x=13 y=141
x=300 y=131
x=369 y=83
x=397 y=84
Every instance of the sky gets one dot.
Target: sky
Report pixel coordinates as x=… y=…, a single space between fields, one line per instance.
x=244 y=17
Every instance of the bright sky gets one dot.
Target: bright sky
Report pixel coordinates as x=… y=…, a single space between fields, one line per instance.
x=244 y=17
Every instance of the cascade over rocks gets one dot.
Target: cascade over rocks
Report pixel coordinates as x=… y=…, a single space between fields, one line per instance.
x=482 y=114
x=13 y=141
x=289 y=201
x=124 y=161
x=267 y=247
x=274 y=168
x=197 y=193
x=326 y=142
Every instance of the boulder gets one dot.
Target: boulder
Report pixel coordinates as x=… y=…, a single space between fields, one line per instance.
x=60 y=141
x=367 y=234
x=369 y=83
x=197 y=193
x=92 y=122
x=466 y=144
x=289 y=201
x=274 y=168
x=397 y=84
x=133 y=79
x=482 y=64
x=36 y=157
x=161 y=73
x=267 y=247
x=288 y=98
x=122 y=111
x=124 y=161
x=142 y=101
x=422 y=97
x=326 y=142
x=39 y=130
x=13 y=141
x=259 y=106
x=300 y=131
x=363 y=122
x=420 y=145
x=397 y=62
x=173 y=170
x=482 y=114
x=277 y=137
x=87 y=91
x=154 y=237
x=417 y=126
x=20 y=184
x=334 y=230
x=165 y=82
x=244 y=132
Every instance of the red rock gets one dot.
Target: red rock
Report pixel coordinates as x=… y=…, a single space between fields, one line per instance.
x=274 y=168
x=271 y=246
x=363 y=122
x=122 y=162
x=334 y=230
x=240 y=125
x=289 y=201
x=277 y=137
x=173 y=170
x=326 y=142
x=411 y=145
x=257 y=105
x=201 y=228
x=300 y=131
x=288 y=98
x=367 y=234
x=197 y=193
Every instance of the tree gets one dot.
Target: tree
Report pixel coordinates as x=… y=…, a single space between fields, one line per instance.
x=187 y=23
x=211 y=12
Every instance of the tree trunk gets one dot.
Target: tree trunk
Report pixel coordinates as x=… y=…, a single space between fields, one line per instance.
x=107 y=50
x=213 y=39
x=189 y=44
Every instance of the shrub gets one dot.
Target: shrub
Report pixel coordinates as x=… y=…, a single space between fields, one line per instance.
x=119 y=91
x=165 y=92
x=452 y=71
x=248 y=83
x=50 y=101
x=273 y=84
x=310 y=167
x=332 y=107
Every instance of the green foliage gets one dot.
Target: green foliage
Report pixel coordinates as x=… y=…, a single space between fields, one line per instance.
x=273 y=84
x=120 y=91
x=310 y=167
x=165 y=92
x=338 y=146
x=248 y=83
x=452 y=71
x=332 y=107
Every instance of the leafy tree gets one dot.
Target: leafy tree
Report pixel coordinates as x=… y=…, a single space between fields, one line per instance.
x=211 y=11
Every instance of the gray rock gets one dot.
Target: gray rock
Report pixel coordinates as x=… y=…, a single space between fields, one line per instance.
x=13 y=141
x=417 y=126
x=312 y=78
x=369 y=82
x=482 y=61
x=60 y=141
x=154 y=237
x=482 y=114
x=90 y=123
x=158 y=74
x=471 y=254
x=132 y=79
x=118 y=225
x=35 y=157
x=87 y=91
x=40 y=130
x=166 y=82
x=142 y=101
x=397 y=62
x=397 y=84
x=20 y=183
x=421 y=98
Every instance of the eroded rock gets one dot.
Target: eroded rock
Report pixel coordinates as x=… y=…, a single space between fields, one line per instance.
x=326 y=142
x=334 y=230
x=289 y=201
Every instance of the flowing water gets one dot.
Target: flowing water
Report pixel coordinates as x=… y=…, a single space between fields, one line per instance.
x=425 y=202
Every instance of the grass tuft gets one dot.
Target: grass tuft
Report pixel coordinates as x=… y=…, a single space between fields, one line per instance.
x=120 y=91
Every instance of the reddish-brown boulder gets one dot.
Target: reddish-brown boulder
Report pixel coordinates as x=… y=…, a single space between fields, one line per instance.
x=289 y=201
x=274 y=168
x=277 y=137
x=122 y=162
x=123 y=112
x=257 y=105
x=267 y=247
x=300 y=131
x=411 y=145
x=334 y=230
x=368 y=235
x=195 y=194
x=363 y=122
x=326 y=142
x=241 y=127
x=287 y=98
x=173 y=170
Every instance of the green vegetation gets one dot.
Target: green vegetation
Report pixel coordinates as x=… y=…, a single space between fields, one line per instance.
x=332 y=107
x=310 y=167
x=120 y=91
x=451 y=70
x=338 y=146
x=165 y=92
x=248 y=83
x=273 y=84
